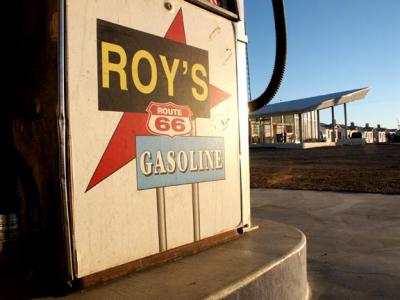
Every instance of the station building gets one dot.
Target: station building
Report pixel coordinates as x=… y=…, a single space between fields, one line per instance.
x=296 y=123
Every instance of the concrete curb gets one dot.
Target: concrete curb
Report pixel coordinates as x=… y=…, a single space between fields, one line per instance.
x=268 y=263
x=248 y=284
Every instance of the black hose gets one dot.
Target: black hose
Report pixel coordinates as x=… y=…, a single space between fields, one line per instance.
x=280 y=58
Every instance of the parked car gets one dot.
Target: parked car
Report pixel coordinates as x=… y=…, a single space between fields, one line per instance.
x=393 y=137
x=356 y=135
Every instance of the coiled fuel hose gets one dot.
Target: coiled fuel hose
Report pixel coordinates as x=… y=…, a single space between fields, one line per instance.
x=280 y=58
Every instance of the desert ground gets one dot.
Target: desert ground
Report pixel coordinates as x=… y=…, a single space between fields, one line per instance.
x=363 y=168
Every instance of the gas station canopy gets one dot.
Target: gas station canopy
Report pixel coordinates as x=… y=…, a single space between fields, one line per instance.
x=312 y=103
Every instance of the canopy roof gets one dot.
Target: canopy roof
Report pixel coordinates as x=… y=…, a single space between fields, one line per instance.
x=312 y=103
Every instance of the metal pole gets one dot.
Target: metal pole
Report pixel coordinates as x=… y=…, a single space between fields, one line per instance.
x=196 y=211
x=318 y=121
x=195 y=202
x=301 y=128
x=294 y=129
x=271 y=129
x=345 y=120
x=333 y=124
x=162 y=222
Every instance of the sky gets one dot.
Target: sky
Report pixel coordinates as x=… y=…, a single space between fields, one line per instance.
x=333 y=45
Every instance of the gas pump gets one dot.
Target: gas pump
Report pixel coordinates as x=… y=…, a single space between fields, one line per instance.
x=138 y=148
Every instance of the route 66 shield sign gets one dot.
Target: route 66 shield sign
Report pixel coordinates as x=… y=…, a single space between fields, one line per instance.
x=169 y=119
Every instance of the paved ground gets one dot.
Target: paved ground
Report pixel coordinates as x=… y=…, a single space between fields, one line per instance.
x=353 y=239
x=363 y=168
x=353 y=247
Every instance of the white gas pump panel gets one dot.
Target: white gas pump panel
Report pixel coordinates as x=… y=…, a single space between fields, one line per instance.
x=153 y=114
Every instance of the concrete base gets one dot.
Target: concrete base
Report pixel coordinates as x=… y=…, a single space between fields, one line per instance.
x=268 y=263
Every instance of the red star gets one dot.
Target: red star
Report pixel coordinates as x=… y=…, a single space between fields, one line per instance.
x=121 y=148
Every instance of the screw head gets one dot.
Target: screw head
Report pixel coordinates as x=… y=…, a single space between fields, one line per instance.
x=168 y=5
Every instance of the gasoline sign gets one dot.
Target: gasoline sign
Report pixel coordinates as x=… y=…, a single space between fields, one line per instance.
x=162 y=161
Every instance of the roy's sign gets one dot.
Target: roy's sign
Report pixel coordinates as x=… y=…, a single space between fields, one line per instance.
x=135 y=68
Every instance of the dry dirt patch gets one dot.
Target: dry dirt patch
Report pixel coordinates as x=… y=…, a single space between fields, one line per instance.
x=364 y=168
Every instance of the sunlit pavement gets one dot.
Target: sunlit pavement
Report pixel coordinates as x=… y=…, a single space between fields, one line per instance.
x=353 y=239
